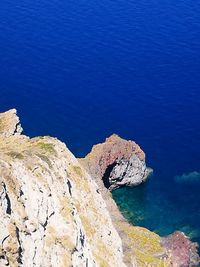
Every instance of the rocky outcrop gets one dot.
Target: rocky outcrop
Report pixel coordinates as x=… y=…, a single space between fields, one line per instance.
x=183 y=251
x=117 y=162
x=128 y=161
x=51 y=212
x=9 y=123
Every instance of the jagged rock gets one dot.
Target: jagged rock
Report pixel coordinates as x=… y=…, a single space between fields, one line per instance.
x=51 y=213
x=9 y=123
x=117 y=162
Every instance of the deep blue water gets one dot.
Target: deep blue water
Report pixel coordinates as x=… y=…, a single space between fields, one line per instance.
x=81 y=70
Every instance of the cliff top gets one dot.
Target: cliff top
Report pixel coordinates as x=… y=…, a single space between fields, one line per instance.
x=9 y=123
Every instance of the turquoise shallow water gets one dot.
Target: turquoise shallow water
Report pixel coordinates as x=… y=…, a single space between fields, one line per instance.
x=82 y=70
x=163 y=208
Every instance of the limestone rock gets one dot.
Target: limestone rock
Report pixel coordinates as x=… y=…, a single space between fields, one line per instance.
x=117 y=162
x=51 y=212
x=9 y=123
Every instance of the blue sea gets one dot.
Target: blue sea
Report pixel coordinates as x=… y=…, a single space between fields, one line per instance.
x=82 y=70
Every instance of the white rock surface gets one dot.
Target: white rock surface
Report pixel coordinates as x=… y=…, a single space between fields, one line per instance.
x=9 y=123
x=51 y=212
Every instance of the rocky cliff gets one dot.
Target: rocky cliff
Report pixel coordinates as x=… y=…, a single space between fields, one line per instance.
x=53 y=213
x=118 y=162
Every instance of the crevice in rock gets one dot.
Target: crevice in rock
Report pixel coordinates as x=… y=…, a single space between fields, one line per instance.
x=74 y=250
x=82 y=238
x=69 y=187
x=21 y=193
x=19 y=258
x=107 y=173
x=34 y=256
x=51 y=214
x=8 y=209
x=46 y=222
x=4 y=240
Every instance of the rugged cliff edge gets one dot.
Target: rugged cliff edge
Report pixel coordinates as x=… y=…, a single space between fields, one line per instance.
x=53 y=213
x=10 y=124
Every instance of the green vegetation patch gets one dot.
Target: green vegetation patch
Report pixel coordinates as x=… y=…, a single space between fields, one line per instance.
x=46 y=147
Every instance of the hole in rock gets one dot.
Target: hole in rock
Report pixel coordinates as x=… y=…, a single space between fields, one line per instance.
x=107 y=173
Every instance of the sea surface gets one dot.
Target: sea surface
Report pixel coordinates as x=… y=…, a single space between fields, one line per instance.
x=82 y=70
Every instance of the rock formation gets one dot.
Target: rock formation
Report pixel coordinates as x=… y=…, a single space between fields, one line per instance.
x=117 y=162
x=52 y=213
x=10 y=124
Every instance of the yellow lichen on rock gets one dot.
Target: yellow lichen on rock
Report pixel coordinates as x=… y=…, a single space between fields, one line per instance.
x=146 y=246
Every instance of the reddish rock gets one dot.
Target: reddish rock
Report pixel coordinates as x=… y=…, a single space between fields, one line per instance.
x=183 y=251
x=117 y=162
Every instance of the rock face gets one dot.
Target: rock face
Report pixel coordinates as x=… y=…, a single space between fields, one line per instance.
x=10 y=124
x=51 y=213
x=117 y=162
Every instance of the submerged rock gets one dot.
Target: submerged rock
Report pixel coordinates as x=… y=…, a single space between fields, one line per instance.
x=117 y=162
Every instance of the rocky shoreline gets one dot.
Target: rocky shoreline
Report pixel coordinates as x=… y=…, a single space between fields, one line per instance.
x=129 y=169
x=58 y=211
